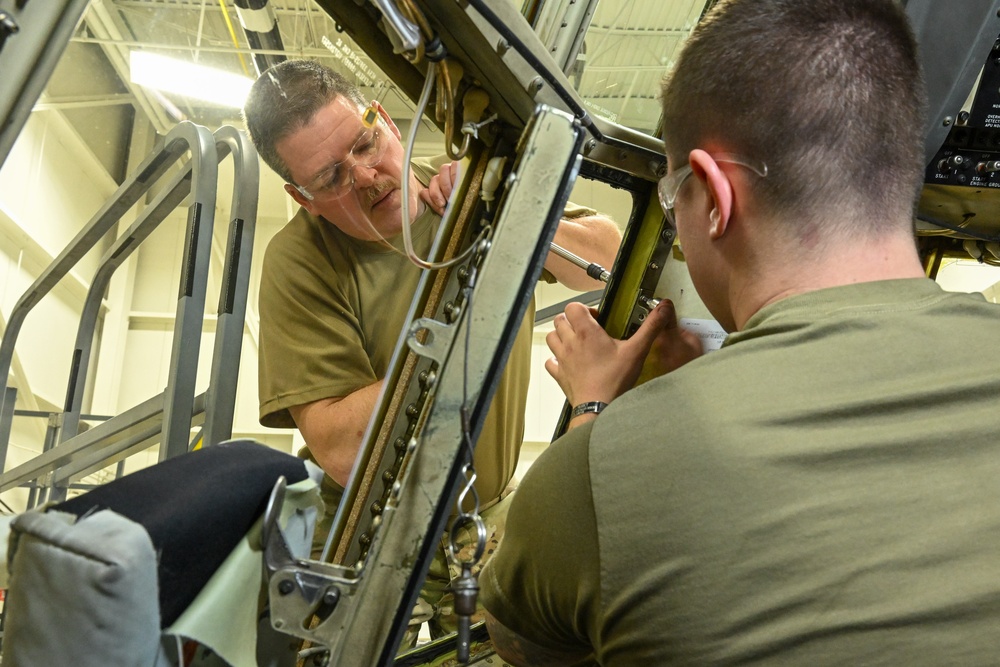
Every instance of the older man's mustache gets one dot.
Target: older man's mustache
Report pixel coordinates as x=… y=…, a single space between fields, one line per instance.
x=376 y=191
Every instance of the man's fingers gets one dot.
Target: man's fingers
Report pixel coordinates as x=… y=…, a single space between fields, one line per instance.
x=552 y=366
x=578 y=316
x=661 y=318
x=449 y=176
x=665 y=313
x=433 y=199
x=691 y=340
x=554 y=342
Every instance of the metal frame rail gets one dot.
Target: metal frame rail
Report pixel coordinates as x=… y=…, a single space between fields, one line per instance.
x=169 y=416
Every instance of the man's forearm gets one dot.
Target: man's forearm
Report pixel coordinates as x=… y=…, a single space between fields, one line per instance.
x=334 y=427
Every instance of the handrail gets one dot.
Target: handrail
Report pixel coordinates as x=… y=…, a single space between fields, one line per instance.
x=168 y=416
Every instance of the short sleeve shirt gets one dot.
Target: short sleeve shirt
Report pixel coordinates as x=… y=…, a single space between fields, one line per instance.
x=332 y=309
x=823 y=490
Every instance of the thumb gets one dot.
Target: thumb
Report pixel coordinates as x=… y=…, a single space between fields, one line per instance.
x=661 y=318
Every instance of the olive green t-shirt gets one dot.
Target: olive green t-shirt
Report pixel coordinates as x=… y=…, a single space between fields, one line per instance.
x=823 y=490
x=332 y=308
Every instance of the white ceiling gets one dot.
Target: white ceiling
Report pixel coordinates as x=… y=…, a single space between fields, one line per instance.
x=630 y=45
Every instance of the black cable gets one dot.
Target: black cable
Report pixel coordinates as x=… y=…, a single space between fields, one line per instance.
x=578 y=111
x=955 y=228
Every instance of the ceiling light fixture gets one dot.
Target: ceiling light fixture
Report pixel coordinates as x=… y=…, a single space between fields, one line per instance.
x=188 y=79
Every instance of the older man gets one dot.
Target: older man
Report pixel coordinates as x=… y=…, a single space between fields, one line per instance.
x=336 y=286
x=825 y=489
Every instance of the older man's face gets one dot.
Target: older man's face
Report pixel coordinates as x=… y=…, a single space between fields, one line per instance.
x=370 y=208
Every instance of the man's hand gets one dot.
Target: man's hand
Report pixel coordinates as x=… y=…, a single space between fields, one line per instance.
x=439 y=190
x=672 y=348
x=589 y=365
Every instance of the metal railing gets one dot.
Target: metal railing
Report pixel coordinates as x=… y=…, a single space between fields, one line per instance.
x=169 y=416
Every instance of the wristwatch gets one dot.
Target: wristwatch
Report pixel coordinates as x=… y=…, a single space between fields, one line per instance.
x=586 y=408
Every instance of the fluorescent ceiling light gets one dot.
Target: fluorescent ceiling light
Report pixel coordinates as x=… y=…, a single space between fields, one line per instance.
x=187 y=79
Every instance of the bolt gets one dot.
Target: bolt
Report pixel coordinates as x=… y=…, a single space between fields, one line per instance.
x=8 y=26
x=947 y=121
x=535 y=85
x=286 y=586
x=331 y=596
x=653 y=266
x=963 y=117
x=667 y=236
x=388 y=477
x=589 y=146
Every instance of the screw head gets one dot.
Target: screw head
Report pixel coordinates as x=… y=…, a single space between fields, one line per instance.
x=947 y=121
x=286 y=586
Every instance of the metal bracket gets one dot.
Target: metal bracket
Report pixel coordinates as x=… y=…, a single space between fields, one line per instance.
x=439 y=337
x=299 y=589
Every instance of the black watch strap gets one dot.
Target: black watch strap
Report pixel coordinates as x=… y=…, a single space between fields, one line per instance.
x=594 y=407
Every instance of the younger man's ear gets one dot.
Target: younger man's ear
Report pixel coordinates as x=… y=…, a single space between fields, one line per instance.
x=720 y=190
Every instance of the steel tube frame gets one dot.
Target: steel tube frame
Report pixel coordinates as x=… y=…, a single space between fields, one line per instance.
x=221 y=394
x=175 y=144
x=175 y=411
